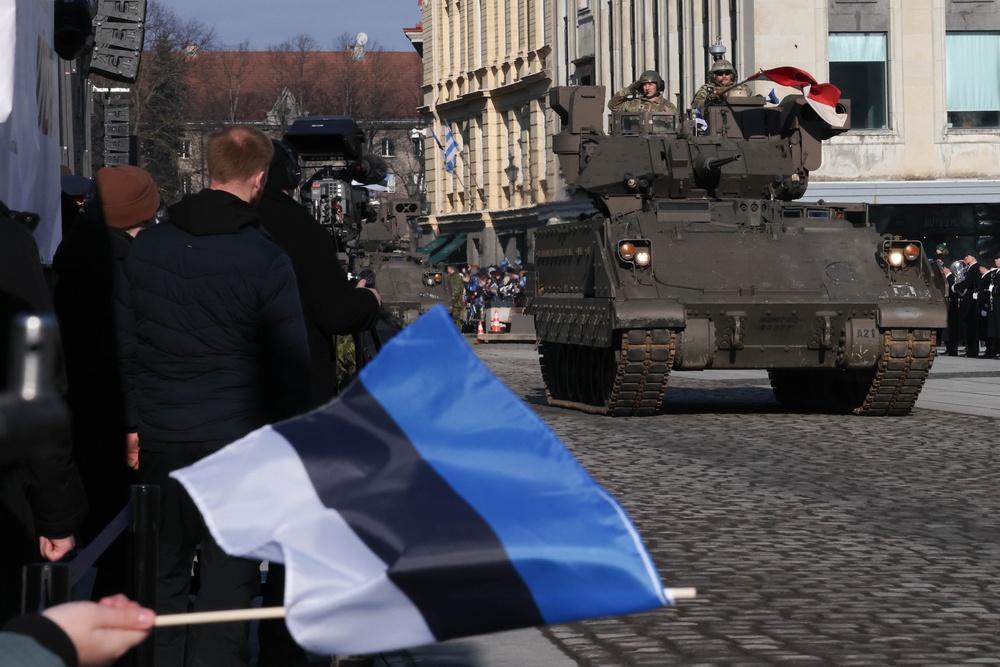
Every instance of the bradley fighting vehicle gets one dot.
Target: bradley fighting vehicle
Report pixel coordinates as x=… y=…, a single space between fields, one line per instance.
x=700 y=258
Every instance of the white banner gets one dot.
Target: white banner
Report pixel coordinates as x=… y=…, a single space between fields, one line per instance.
x=29 y=134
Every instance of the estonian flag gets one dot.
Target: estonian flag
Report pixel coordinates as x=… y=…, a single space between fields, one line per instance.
x=426 y=502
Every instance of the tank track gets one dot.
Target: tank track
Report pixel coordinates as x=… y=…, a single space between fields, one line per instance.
x=633 y=385
x=907 y=356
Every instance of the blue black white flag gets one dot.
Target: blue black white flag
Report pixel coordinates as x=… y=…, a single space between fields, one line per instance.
x=405 y=517
x=772 y=97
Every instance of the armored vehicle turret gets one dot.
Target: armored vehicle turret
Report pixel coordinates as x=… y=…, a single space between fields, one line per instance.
x=700 y=257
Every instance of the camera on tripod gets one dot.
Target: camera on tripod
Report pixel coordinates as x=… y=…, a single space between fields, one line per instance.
x=335 y=144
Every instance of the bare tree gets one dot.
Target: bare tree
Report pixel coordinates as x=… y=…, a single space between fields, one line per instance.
x=296 y=77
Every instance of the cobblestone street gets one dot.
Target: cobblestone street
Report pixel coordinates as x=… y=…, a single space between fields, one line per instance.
x=812 y=539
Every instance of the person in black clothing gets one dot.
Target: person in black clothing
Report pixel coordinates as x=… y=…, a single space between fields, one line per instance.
x=220 y=350
x=968 y=294
x=953 y=333
x=42 y=500
x=332 y=307
x=89 y=302
x=330 y=304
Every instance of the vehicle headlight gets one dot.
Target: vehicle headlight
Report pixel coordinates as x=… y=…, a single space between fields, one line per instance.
x=911 y=252
x=642 y=256
x=896 y=257
x=626 y=251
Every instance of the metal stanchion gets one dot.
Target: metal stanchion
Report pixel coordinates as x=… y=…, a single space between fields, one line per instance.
x=145 y=541
x=44 y=585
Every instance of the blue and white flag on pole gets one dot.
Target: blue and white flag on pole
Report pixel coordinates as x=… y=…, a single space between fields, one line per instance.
x=406 y=515
x=450 y=150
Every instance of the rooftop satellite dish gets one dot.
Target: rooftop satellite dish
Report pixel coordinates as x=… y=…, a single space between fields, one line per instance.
x=361 y=39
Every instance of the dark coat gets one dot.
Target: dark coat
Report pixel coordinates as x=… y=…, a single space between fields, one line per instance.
x=221 y=346
x=330 y=304
x=86 y=263
x=40 y=488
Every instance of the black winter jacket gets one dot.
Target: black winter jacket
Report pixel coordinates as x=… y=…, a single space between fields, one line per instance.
x=330 y=304
x=220 y=341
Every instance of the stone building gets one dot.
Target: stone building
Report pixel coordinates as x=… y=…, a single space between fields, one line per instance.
x=270 y=89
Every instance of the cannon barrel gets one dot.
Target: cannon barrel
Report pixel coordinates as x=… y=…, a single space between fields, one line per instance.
x=711 y=165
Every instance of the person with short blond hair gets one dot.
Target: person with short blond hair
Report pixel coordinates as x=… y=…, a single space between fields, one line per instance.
x=235 y=153
x=220 y=351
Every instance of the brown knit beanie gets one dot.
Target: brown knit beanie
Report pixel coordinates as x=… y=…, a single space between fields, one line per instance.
x=128 y=195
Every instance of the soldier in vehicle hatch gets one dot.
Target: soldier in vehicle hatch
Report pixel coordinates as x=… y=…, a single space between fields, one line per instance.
x=721 y=77
x=646 y=94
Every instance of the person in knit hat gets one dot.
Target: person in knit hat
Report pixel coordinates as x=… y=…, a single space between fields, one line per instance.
x=128 y=197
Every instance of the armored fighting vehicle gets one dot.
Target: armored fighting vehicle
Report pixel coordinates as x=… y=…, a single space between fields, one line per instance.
x=699 y=257
x=408 y=284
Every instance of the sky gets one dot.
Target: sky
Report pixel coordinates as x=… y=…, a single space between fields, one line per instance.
x=261 y=22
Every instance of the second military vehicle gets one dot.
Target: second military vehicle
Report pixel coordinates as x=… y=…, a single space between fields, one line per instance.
x=699 y=257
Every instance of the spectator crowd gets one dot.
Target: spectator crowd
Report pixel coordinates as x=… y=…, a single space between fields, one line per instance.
x=973 y=306
x=182 y=331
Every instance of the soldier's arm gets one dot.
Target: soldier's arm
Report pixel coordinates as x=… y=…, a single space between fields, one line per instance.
x=617 y=101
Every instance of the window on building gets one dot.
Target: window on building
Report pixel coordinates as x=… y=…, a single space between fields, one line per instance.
x=973 y=73
x=186 y=185
x=858 y=68
x=185 y=152
x=388 y=148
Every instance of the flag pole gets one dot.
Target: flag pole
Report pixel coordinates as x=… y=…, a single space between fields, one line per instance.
x=261 y=613
x=257 y=613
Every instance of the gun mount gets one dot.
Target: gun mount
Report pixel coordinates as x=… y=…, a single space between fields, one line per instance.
x=700 y=257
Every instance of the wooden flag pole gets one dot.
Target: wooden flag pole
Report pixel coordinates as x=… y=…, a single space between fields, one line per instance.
x=680 y=593
x=257 y=613
x=260 y=613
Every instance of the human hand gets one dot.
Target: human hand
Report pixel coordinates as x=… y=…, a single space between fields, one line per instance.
x=132 y=451
x=102 y=631
x=636 y=87
x=374 y=291
x=54 y=548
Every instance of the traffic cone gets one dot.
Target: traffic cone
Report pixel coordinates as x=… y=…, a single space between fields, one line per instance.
x=480 y=333
x=495 y=326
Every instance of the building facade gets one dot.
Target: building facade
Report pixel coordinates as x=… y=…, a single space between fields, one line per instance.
x=925 y=141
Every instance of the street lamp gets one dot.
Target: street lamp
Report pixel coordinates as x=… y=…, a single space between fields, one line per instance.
x=511 y=171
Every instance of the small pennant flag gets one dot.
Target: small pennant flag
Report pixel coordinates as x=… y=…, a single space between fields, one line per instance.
x=404 y=517
x=822 y=97
x=772 y=97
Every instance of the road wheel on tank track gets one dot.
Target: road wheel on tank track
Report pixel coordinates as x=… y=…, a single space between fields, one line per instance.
x=627 y=379
x=890 y=387
x=907 y=356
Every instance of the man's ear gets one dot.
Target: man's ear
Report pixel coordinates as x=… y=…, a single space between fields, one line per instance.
x=260 y=180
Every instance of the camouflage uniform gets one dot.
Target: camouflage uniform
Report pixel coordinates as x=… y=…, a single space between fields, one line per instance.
x=632 y=99
x=457 y=286
x=700 y=100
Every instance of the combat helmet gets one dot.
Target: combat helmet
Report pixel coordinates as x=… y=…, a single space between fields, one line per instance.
x=723 y=65
x=651 y=75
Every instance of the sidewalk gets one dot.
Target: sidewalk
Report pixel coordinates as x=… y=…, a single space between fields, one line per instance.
x=962 y=385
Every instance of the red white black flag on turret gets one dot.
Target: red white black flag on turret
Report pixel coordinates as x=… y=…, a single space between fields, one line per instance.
x=822 y=97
